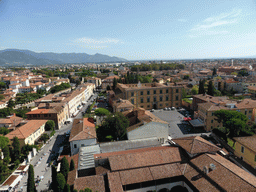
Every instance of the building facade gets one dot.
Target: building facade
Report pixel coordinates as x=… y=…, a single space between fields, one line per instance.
x=151 y=95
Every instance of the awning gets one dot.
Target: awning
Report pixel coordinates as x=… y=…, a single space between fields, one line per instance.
x=196 y=123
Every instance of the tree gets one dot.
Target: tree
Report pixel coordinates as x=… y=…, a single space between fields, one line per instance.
x=101 y=112
x=6 y=154
x=201 y=87
x=210 y=90
x=44 y=137
x=11 y=104
x=114 y=83
x=72 y=165
x=67 y=188
x=87 y=190
x=31 y=180
x=64 y=167
x=186 y=77
x=184 y=93
x=115 y=126
x=4 y=130
x=50 y=125
x=214 y=71
x=16 y=149
x=243 y=73
x=233 y=122
x=194 y=90
x=108 y=87
x=3 y=141
x=54 y=176
x=60 y=182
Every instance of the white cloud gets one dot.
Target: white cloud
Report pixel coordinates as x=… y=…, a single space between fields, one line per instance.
x=91 y=41
x=217 y=21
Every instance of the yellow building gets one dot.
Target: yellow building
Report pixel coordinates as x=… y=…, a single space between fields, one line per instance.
x=28 y=133
x=151 y=95
x=252 y=90
x=206 y=111
x=245 y=148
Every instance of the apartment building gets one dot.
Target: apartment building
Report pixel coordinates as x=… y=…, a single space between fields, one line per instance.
x=151 y=95
x=206 y=111
x=95 y=80
x=28 y=133
x=58 y=112
x=245 y=148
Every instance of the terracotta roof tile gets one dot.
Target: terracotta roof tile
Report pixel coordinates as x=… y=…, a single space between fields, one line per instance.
x=144 y=159
x=114 y=180
x=95 y=183
x=135 y=176
x=196 y=144
x=165 y=171
x=26 y=130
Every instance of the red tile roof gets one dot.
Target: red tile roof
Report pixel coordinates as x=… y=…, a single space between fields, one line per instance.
x=95 y=183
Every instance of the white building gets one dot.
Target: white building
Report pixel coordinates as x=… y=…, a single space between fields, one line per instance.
x=82 y=134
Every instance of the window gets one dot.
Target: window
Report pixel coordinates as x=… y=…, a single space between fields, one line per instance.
x=167 y=91
x=242 y=149
x=75 y=146
x=167 y=98
x=82 y=145
x=132 y=94
x=161 y=98
x=34 y=115
x=141 y=106
x=255 y=158
x=154 y=99
x=148 y=99
x=250 y=111
x=141 y=93
x=50 y=115
x=148 y=92
x=211 y=121
x=141 y=100
x=160 y=105
x=132 y=101
x=161 y=91
x=166 y=104
x=148 y=106
x=45 y=115
x=177 y=98
x=154 y=91
x=177 y=90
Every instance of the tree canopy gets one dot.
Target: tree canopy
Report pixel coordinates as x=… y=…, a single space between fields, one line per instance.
x=64 y=167
x=72 y=165
x=210 y=90
x=50 y=125
x=60 y=87
x=157 y=67
x=233 y=122
x=114 y=127
x=16 y=148
x=201 y=87
x=31 y=182
x=60 y=182
x=101 y=112
x=3 y=141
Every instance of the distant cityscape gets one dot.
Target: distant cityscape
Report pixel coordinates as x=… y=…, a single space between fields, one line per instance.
x=164 y=125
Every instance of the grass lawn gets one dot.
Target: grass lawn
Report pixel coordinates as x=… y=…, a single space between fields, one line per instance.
x=231 y=143
x=187 y=100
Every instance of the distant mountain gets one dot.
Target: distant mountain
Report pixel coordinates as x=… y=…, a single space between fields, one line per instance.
x=18 y=57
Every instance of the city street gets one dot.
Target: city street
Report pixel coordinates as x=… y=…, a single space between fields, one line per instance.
x=47 y=153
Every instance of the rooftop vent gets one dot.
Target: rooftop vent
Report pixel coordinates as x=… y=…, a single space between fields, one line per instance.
x=212 y=166
x=205 y=170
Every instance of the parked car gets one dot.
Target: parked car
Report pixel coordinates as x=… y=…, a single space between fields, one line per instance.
x=187 y=119
x=173 y=108
x=152 y=110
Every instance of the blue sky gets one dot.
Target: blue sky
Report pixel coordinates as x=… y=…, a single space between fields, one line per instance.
x=131 y=29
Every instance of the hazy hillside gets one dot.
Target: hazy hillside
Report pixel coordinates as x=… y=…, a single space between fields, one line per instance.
x=16 y=56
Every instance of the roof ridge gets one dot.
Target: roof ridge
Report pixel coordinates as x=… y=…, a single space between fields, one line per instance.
x=231 y=170
x=193 y=143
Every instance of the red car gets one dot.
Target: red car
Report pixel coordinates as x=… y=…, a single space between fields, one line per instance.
x=187 y=119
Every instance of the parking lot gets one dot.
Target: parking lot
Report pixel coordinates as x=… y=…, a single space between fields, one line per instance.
x=178 y=127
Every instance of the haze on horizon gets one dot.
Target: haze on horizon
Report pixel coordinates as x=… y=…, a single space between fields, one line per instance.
x=134 y=29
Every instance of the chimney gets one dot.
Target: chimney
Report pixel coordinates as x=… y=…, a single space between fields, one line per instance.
x=14 y=114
